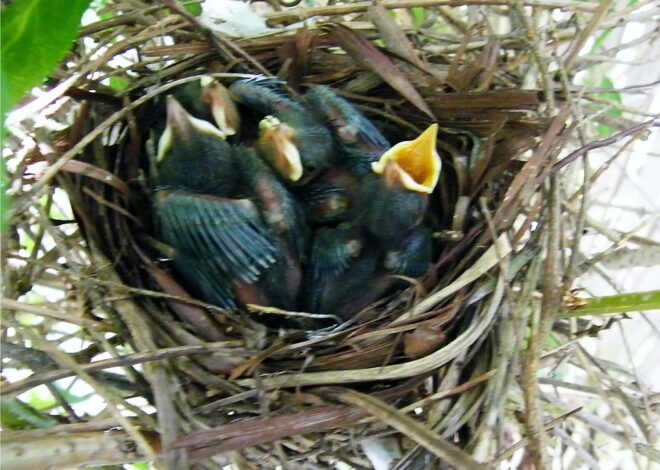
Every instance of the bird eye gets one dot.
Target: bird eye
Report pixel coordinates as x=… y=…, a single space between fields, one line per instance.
x=310 y=169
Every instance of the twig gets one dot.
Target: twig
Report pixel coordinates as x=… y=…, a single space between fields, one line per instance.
x=11 y=389
x=587 y=32
x=11 y=304
x=300 y=14
x=410 y=427
x=524 y=441
x=550 y=305
x=84 y=449
x=603 y=143
x=215 y=37
x=113 y=403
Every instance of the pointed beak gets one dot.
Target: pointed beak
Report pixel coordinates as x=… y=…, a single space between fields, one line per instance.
x=181 y=126
x=276 y=141
x=415 y=163
x=223 y=108
x=178 y=123
x=178 y=118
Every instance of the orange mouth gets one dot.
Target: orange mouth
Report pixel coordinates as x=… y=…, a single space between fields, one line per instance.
x=416 y=162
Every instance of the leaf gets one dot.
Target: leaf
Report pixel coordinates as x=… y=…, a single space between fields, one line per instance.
x=72 y=398
x=620 y=303
x=418 y=16
x=604 y=131
x=393 y=36
x=5 y=200
x=193 y=8
x=19 y=415
x=368 y=56
x=41 y=30
x=613 y=96
x=610 y=95
x=598 y=42
x=118 y=83
x=41 y=399
x=139 y=466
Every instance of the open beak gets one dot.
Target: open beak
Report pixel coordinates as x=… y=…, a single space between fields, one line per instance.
x=223 y=108
x=415 y=163
x=178 y=123
x=276 y=138
x=182 y=126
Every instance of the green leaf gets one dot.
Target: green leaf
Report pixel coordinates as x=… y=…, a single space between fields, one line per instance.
x=418 y=16
x=440 y=27
x=72 y=398
x=610 y=95
x=36 y=35
x=41 y=399
x=620 y=303
x=598 y=42
x=139 y=466
x=551 y=342
x=604 y=131
x=194 y=8
x=118 y=83
x=5 y=200
x=613 y=96
x=18 y=415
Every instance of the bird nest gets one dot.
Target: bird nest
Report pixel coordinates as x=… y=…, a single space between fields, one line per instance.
x=434 y=371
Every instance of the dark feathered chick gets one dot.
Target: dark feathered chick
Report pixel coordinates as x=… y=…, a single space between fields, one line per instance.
x=394 y=198
x=193 y=155
x=359 y=141
x=409 y=256
x=220 y=214
x=209 y=100
x=331 y=197
x=285 y=220
x=345 y=272
x=295 y=126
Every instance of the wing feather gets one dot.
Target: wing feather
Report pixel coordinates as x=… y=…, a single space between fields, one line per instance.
x=220 y=235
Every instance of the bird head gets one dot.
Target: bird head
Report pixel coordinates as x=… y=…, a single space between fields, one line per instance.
x=275 y=143
x=222 y=106
x=413 y=164
x=182 y=127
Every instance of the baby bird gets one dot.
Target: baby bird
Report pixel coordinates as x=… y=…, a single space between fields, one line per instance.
x=209 y=100
x=394 y=198
x=222 y=229
x=287 y=124
x=359 y=142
